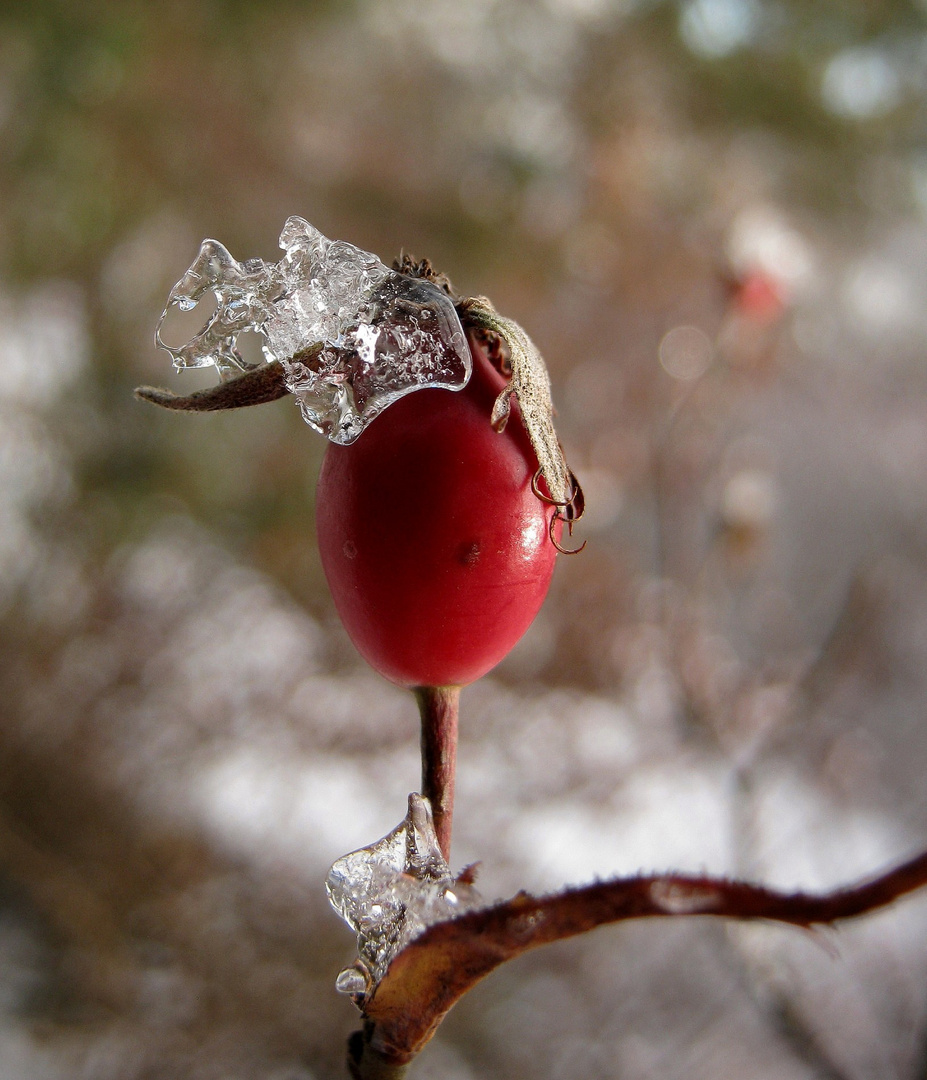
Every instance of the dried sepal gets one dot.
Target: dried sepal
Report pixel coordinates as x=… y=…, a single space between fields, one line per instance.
x=422 y=268
x=255 y=387
x=529 y=384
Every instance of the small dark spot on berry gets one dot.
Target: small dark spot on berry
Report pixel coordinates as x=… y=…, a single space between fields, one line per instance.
x=350 y=549
x=468 y=554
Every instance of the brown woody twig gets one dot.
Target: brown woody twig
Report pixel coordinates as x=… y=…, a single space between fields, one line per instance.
x=437 y=968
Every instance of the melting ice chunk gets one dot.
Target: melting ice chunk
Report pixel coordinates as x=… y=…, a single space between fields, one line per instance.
x=352 y=334
x=392 y=891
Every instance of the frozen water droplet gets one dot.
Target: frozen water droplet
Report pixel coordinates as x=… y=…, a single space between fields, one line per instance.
x=352 y=334
x=351 y=981
x=393 y=890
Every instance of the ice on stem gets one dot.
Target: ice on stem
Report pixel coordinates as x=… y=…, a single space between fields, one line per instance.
x=352 y=334
x=391 y=892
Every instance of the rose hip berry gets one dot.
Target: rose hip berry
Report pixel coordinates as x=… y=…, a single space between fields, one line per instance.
x=436 y=549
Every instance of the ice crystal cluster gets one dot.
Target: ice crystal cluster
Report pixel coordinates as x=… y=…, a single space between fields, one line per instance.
x=352 y=334
x=392 y=891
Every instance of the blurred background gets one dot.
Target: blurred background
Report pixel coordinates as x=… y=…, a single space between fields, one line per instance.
x=711 y=215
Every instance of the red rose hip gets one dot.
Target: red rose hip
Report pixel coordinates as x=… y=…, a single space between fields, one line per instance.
x=436 y=549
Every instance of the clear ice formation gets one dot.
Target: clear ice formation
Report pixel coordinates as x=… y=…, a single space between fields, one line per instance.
x=352 y=334
x=390 y=892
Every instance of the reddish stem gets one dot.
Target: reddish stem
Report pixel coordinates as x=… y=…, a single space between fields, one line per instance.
x=438 y=706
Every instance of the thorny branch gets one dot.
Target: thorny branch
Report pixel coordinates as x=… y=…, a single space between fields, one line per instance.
x=436 y=969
